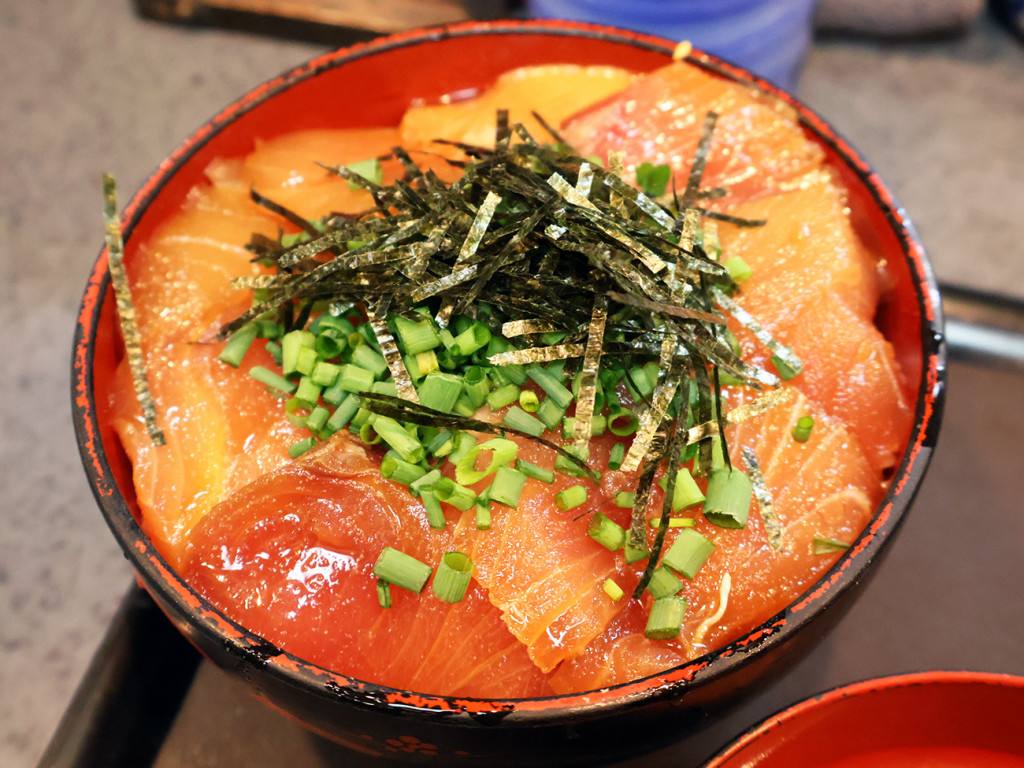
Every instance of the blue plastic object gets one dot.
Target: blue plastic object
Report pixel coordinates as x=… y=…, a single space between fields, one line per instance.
x=768 y=37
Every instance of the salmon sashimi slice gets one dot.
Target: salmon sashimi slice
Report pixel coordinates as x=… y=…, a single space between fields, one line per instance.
x=554 y=92
x=806 y=244
x=206 y=409
x=291 y=557
x=290 y=169
x=824 y=488
x=758 y=145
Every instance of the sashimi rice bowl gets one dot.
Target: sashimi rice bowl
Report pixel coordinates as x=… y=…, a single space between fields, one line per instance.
x=506 y=379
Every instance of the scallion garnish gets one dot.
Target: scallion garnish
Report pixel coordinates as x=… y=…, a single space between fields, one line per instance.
x=452 y=578
x=402 y=570
x=665 y=620
x=802 y=429
x=606 y=532
x=571 y=497
x=826 y=546
x=728 y=498
x=688 y=553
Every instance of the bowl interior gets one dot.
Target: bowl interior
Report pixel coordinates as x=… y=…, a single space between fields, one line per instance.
x=937 y=716
x=370 y=85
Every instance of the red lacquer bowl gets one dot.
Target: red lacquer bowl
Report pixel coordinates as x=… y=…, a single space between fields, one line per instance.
x=940 y=719
x=383 y=77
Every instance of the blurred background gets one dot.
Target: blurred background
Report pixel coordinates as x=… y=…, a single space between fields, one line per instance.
x=930 y=91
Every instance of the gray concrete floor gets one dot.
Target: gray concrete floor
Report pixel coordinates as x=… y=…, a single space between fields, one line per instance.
x=87 y=87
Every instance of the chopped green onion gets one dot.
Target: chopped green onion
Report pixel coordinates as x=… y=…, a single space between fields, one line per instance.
x=328 y=347
x=516 y=418
x=435 y=515
x=606 y=532
x=473 y=338
x=274 y=350
x=441 y=444
x=237 y=346
x=483 y=515
x=666 y=618
x=663 y=583
x=824 y=546
x=383 y=593
x=728 y=498
x=343 y=413
x=395 y=435
x=440 y=391
x=551 y=385
x=618 y=453
x=785 y=371
x=529 y=401
x=291 y=343
x=686 y=493
x=537 y=473
x=307 y=393
x=297 y=449
x=450 y=492
x=477 y=385
x=570 y=498
x=635 y=554
x=355 y=378
x=625 y=499
x=400 y=471
x=673 y=522
x=688 y=553
x=507 y=486
x=317 y=419
x=272 y=379
x=415 y=336
x=325 y=374
x=623 y=422
x=739 y=270
x=550 y=413
x=371 y=170
x=502 y=451
x=369 y=359
x=402 y=570
x=568 y=467
x=502 y=396
x=613 y=590
x=453 y=575
x=425 y=483
x=802 y=430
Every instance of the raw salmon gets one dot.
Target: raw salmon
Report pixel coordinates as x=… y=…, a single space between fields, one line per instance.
x=287 y=558
x=757 y=146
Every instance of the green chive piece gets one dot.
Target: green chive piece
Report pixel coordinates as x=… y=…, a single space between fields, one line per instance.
x=400 y=471
x=507 y=486
x=625 y=499
x=606 y=532
x=529 y=401
x=568 y=467
x=297 y=449
x=728 y=498
x=483 y=515
x=616 y=457
x=739 y=270
x=291 y=343
x=366 y=357
x=785 y=371
x=317 y=419
x=502 y=396
x=802 y=430
x=473 y=338
x=464 y=443
x=441 y=444
x=415 y=336
x=325 y=374
x=402 y=570
x=477 y=385
x=623 y=422
x=237 y=346
x=502 y=451
x=453 y=575
x=666 y=618
x=343 y=414
x=570 y=498
x=537 y=473
x=450 y=492
x=613 y=590
x=686 y=492
x=425 y=483
x=274 y=349
x=355 y=378
x=824 y=546
x=273 y=380
x=688 y=553
x=440 y=391
x=516 y=418
x=383 y=593
x=551 y=385
x=334 y=396
x=635 y=554
x=435 y=515
x=307 y=393
x=371 y=170
x=663 y=583
x=550 y=414
x=328 y=347
x=395 y=435
x=673 y=522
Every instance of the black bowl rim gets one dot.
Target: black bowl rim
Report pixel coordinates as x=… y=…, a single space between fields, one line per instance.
x=671 y=684
x=864 y=687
